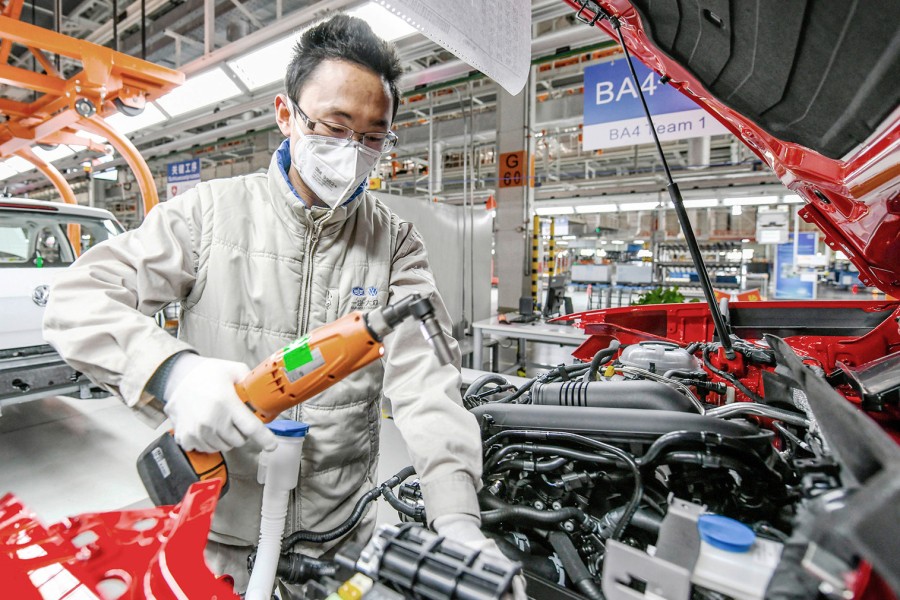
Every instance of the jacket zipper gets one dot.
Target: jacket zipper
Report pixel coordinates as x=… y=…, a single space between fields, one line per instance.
x=311 y=241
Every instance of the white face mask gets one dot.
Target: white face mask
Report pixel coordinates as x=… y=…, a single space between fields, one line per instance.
x=331 y=167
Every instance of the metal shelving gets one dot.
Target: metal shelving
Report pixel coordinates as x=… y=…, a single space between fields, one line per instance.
x=724 y=262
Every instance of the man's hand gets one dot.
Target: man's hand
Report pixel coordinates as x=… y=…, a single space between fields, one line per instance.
x=206 y=412
x=465 y=529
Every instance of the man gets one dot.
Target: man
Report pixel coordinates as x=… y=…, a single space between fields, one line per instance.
x=256 y=262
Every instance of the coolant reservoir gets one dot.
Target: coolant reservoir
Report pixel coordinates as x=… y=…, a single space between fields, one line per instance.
x=659 y=357
x=732 y=560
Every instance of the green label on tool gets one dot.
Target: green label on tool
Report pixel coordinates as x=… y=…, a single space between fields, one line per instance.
x=297 y=354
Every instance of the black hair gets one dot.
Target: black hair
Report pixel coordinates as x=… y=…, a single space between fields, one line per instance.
x=343 y=37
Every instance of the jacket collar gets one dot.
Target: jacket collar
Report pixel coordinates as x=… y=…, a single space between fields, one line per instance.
x=291 y=208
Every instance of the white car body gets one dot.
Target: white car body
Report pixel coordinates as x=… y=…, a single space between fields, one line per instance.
x=34 y=250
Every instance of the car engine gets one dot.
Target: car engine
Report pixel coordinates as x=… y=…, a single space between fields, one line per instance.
x=604 y=478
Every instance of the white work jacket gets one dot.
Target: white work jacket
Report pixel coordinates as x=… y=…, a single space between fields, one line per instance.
x=254 y=269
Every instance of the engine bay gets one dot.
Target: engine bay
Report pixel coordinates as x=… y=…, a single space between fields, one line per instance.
x=598 y=476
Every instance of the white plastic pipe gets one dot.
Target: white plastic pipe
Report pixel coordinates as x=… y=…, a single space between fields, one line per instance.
x=279 y=471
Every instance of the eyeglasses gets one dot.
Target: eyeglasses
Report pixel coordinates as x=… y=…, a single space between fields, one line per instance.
x=377 y=140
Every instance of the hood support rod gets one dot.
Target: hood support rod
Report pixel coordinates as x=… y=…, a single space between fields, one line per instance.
x=674 y=194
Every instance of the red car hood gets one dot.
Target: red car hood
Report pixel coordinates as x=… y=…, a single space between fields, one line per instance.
x=811 y=91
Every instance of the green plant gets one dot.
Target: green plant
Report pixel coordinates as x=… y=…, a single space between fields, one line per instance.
x=660 y=295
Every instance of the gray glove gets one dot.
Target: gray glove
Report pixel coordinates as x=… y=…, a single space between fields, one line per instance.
x=466 y=530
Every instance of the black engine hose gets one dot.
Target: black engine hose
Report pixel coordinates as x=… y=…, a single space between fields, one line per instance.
x=499 y=511
x=730 y=378
x=296 y=568
x=518 y=514
x=314 y=537
x=643 y=519
x=685 y=374
x=531 y=466
x=494 y=460
x=628 y=459
x=601 y=357
x=414 y=512
x=483 y=381
x=574 y=566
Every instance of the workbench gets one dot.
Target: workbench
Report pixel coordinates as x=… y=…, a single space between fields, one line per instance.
x=536 y=331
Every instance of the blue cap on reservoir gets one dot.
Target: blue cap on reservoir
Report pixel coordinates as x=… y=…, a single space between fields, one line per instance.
x=725 y=534
x=288 y=428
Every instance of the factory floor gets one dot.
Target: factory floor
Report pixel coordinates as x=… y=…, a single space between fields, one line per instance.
x=63 y=456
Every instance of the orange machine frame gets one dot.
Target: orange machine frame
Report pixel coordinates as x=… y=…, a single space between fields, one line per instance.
x=64 y=106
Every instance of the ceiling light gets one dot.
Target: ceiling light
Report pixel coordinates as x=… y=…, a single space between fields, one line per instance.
x=267 y=64
x=639 y=242
x=6 y=171
x=19 y=164
x=618 y=242
x=701 y=203
x=595 y=208
x=638 y=206
x=61 y=151
x=792 y=199
x=383 y=22
x=92 y=136
x=125 y=125
x=568 y=237
x=603 y=242
x=751 y=201
x=745 y=241
x=199 y=91
x=736 y=210
x=554 y=210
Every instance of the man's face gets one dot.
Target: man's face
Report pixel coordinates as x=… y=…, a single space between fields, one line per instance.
x=339 y=92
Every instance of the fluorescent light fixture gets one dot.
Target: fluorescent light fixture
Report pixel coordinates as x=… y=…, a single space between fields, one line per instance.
x=639 y=242
x=383 y=22
x=638 y=206
x=568 y=237
x=554 y=210
x=596 y=208
x=745 y=241
x=701 y=203
x=61 y=151
x=125 y=125
x=618 y=242
x=19 y=164
x=792 y=199
x=750 y=201
x=6 y=171
x=267 y=64
x=603 y=242
x=111 y=175
x=91 y=136
x=199 y=91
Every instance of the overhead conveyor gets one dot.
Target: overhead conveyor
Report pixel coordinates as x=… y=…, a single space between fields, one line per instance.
x=108 y=82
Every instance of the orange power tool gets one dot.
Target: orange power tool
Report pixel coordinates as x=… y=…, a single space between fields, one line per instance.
x=290 y=376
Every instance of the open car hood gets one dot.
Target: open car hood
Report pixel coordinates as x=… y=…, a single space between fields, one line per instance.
x=811 y=90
